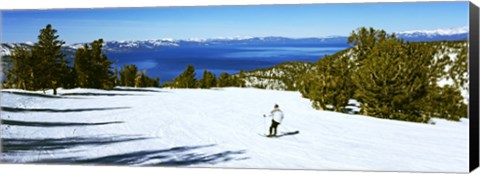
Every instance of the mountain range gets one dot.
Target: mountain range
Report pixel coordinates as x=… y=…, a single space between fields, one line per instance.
x=460 y=33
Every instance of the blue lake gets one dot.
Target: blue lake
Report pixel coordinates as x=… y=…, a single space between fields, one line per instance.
x=169 y=62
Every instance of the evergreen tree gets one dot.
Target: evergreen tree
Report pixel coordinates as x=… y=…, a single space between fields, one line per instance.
x=92 y=67
x=51 y=67
x=155 y=82
x=101 y=67
x=209 y=80
x=329 y=84
x=240 y=79
x=115 y=79
x=363 y=41
x=224 y=80
x=444 y=102
x=237 y=81
x=392 y=79
x=458 y=71
x=21 y=75
x=70 y=79
x=82 y=66
x=447 y=101
x=141 y=79
x=186 y=79
x=167 y=84
x=128 y=75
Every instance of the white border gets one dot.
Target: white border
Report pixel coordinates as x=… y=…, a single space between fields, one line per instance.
x=62 y=4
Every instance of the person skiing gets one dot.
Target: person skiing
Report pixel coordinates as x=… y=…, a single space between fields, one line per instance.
x=277 y=117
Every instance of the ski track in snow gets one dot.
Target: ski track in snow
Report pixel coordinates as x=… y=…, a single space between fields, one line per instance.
x=218 y=128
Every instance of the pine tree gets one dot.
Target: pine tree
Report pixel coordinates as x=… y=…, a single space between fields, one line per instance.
x=392 y=79
x=100 y=66
x=444 y=102
x=235 y=80
x=82 y=66
x=363 y=41
x=329 y=84
x=447 y=101
x=167 y=84
x=140 y=79
x=186 y=79
x=21 y=75
x=114 y=77
x=128 y=75
x=155 y=82
x=92 y=67
x=458 y=71
x=52 y=65
x=209 y=80
x=70 y=79
x=224 y=80
x=241 y=78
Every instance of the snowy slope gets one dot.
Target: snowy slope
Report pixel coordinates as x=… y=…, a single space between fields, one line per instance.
x=217 y=128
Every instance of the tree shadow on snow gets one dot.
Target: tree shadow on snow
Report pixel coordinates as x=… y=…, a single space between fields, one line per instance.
x=11 y=109
x=52 y=124
x=194 y=159
x=33 y=94
x=134 y=90
x=25 y=145
x=93 y=94
x=177 y=156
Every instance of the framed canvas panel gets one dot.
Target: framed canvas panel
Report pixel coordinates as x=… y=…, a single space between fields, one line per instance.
x=364 y=86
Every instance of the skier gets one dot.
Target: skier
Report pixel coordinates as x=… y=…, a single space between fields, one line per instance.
x=277 y=117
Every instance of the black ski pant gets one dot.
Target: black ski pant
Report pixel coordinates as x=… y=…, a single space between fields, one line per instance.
x=273 y=128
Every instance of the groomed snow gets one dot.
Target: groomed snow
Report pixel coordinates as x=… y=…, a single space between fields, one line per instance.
x=218 y=128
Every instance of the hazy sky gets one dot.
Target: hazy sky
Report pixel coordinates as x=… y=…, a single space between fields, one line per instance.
x=85 y=25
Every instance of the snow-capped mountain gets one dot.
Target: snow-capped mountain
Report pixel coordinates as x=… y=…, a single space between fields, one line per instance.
x=449 y=31
x=460 y=33
x=6 y=48
x=147 y=44
x=125 y=46
x=262 y=41
x=129 y=45
x=415 y=35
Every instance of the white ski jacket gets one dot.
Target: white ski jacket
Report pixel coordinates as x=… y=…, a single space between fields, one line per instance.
x=277 y=115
